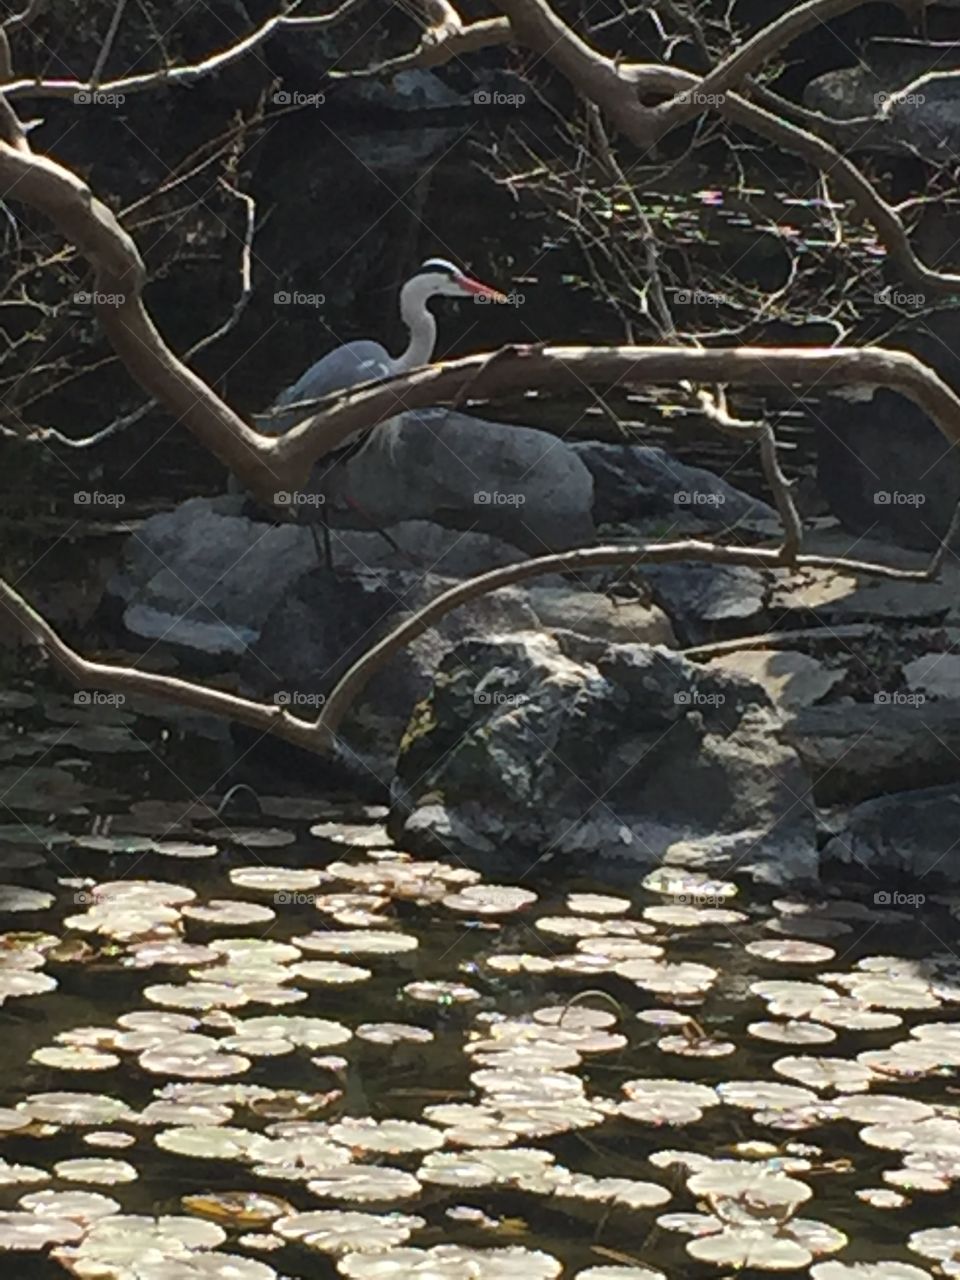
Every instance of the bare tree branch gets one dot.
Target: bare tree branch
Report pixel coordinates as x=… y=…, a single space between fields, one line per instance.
x=320 y=736
x=191 y=72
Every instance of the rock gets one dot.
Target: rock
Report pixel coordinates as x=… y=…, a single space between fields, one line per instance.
x=530 y=746
x=323 y=623
x=856 y=750
x=792 y=680
x=911 y=87
x=521 y=485
x=707 y=602
x=638 y=482
x=912 y=832
x=206 y=579
x=935 y=674
x=885 y=468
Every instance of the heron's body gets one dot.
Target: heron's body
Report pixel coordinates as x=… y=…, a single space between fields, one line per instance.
x=365 y=361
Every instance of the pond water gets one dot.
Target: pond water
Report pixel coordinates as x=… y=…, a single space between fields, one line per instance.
x=256 y=1019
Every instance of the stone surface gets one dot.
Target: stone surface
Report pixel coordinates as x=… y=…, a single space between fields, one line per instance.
x=519 y=484
x=791 y=680
x=935 y=674
x=639 y=482
x=206 y=579
x=530 y=746
x=857 y=750
x=913 y=832
x=709 y=602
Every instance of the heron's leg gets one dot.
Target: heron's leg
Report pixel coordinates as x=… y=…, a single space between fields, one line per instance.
x=326 y=556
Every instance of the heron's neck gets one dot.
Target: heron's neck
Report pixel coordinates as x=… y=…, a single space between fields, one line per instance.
x=420 y=324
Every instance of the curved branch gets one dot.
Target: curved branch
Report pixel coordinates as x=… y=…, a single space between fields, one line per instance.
x=269 y=718
x=353 y=681
x=320 y=736
x=556 y=370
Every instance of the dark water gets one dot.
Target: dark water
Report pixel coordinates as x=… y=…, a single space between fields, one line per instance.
x=139 y=797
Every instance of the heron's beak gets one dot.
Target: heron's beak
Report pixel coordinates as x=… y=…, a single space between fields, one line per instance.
x=470 y=285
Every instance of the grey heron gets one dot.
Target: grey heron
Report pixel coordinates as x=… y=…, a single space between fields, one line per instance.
x=365 y=361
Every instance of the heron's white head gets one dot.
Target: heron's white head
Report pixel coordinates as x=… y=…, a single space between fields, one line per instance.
x=437 y=276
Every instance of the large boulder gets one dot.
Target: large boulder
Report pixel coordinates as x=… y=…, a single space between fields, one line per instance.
x=324 y=623
x=634 y=483
x=904 y=834
x=882 y=464
x=518 y=484
x=531 y=747
x=204 y=577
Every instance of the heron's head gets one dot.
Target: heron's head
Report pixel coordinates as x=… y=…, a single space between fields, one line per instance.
x=436 y=275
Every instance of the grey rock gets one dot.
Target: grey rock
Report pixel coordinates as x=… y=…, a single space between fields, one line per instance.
x=858 y=750
x=639 y=482
x=908 y=832
x=324 y=622
x=884 y=467
x=521 y=750
x=517 y=483
x=792 y=680
x=207 y=581
x=709 y=602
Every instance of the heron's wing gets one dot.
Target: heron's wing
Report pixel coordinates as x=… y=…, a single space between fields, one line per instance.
x=345 y=367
